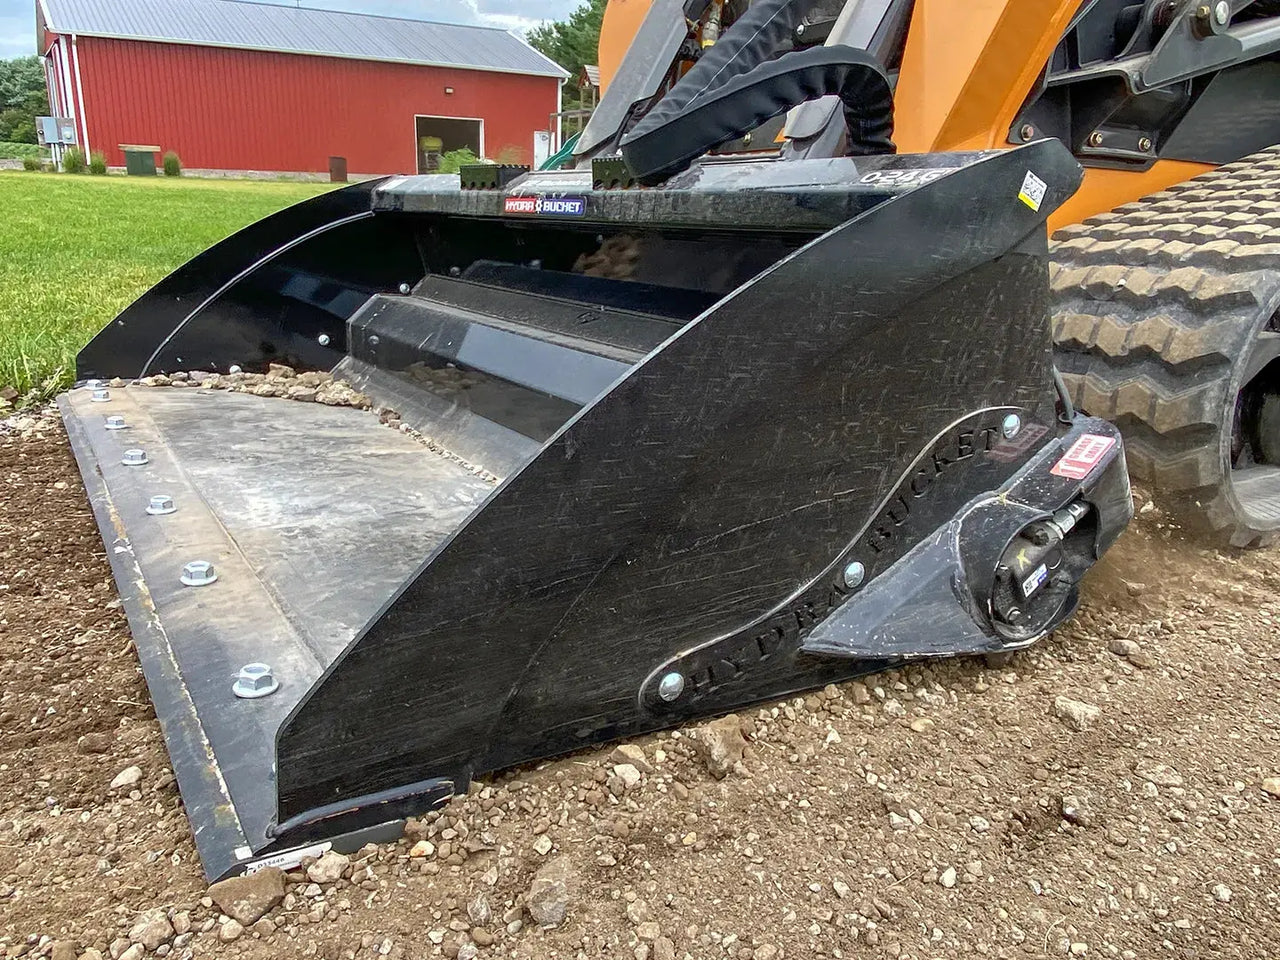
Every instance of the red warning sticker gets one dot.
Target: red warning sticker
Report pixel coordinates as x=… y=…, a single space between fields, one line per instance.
x=1085 y=454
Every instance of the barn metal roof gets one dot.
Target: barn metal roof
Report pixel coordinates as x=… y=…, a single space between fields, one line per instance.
x=260 y=26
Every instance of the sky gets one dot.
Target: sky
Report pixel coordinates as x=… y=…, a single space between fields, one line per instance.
x=18 y=17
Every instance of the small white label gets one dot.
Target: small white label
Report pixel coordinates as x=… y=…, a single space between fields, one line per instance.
x=1032 y=192
x=289 y=858
x=1032 y=583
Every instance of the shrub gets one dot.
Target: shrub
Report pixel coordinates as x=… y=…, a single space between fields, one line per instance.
x=31 y=164
x=172 y=165
x=455 y=160
x=73 y=160
x=97 y=163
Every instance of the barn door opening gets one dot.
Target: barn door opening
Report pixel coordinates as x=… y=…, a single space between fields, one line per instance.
x=437 y=136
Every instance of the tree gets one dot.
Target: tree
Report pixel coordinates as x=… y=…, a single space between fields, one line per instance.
x=22 y=98
x=571 y=43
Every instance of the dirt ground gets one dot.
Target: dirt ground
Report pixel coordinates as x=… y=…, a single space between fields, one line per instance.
x=946 y=809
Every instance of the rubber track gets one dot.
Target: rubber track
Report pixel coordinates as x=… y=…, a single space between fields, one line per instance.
x=1153 y=304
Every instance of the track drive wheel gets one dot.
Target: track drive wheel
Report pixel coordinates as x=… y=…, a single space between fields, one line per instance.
x=1165 y=322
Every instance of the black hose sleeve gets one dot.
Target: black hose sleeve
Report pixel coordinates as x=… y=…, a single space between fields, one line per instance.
x=757 y=36
x=660 y=147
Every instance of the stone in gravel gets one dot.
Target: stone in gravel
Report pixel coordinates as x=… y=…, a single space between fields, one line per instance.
x=637 y=912
x=1076 y=714
x=548 y=898
x=1123 y=648
x=91 y=953
x=127 y=777
x=135 y=952
x=479 y=911
x=151 y=929
x=766 y=951
x=481 y=936
x=841 y=888
x=328 y=868
x=628 y=774
x=1076 y=809
x=251 y=896
x=542 y=846
x=720 y=745
x=467 y=951
x=649 y=930
x=1162 y=775
x=304 y=394
x=632 y=754
x=948 y=877
x=664 y=949
x=93 y=743
x=423 y=848
x=62 y=950
x=231 y=930
x=1271 y=785
x=278 y=371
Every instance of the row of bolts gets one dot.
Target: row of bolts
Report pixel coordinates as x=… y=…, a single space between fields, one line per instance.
x=254 y=679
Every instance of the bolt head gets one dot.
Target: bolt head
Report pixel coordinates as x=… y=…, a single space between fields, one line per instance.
x=234 y=368
x=253 y=681
x=101 y=395
x=405 y=288
x=116 y=423
x=1027 y=131
x=671 y=686
x=198 y=573
x=1222 y=12
x=854 y=574
x=323 y=339
x=161 y=505
x=1095 y=139
x=1144 y=143
x=134 y=458
x=1011 y=426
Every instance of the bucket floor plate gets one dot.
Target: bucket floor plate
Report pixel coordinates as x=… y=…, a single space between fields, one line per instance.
x=312 y=516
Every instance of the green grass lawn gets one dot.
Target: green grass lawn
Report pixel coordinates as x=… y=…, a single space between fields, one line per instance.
x=75 y=250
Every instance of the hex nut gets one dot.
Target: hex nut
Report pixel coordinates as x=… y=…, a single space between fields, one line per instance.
x=198 y=573
x=116 y=423
x=161 y=505
x=101 y=395
x=255 y=680
x=134 y=458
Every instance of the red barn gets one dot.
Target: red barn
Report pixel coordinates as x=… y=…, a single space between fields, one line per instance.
x=246 y=86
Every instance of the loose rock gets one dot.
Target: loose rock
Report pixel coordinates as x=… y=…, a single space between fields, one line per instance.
x=328 y=868
x=548 y=898
x=248 y=898
x=231 y=930
x=1076 y=714
x=632 y=754
x=127 y=777
x=720 y=745
x=151 y=929
x=92 y=743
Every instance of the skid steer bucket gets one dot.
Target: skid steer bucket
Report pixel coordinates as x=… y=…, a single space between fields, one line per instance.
x=662 y=453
